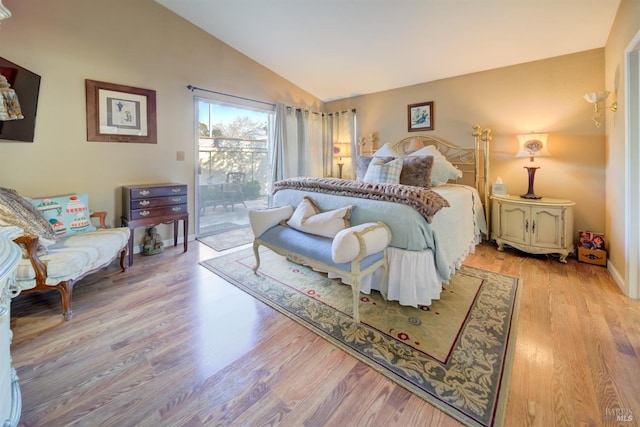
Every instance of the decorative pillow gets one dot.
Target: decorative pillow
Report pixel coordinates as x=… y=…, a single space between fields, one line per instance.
x=387 y=151
x=16 y=210
x=68 y=215
x=361 y=169
x=308 y=218
x=263 y=219
x=442 y=170
x=346 y=246
x=416 y=170
x=380 y=172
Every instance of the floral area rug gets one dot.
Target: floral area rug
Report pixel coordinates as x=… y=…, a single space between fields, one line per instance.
x=455 y=354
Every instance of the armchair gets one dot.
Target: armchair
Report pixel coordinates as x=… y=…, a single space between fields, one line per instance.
x=60 y=244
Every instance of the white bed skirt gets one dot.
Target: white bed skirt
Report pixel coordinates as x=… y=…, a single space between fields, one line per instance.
x=413 y=278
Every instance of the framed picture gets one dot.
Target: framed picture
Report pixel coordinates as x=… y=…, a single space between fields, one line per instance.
x=420 y=116
x=118 y=113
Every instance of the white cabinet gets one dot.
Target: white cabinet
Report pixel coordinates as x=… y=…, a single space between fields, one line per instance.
x=541 y=226
x=10 y=399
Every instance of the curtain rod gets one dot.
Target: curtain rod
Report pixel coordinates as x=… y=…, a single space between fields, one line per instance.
x=192 y=88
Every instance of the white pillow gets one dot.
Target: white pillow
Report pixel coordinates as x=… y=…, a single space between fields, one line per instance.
x=346 y=246
x=442 y=170
x=380 y=172
x=308 y=218
x=387 y=151
x=263 y=219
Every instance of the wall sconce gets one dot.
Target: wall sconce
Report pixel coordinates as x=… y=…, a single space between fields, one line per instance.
x=4 y=12
x=9 y=105
x=340 y=150
x=532 y=145
x=596 y=98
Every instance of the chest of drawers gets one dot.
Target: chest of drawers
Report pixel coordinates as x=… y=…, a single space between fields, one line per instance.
x=152 y=204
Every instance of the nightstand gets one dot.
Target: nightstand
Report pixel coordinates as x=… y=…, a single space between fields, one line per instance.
x=541 y=226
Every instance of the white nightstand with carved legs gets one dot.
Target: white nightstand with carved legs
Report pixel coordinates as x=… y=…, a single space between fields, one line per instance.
x=536 y=226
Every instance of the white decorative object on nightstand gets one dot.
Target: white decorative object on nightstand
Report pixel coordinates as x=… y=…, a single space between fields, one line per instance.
x=542 y=226
x=10 y=399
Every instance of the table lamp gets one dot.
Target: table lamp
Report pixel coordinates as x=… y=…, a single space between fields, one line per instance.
x=340 y=150
x=532 y=145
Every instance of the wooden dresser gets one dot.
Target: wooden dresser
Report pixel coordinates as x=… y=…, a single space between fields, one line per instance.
x=153 y=204
x=10 y=398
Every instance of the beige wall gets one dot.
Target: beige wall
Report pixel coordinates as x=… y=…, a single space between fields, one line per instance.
x=625 y=27
x=136 y=43
x=543 y=96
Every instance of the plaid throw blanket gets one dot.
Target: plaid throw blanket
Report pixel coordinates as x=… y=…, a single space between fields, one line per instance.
x=426 y=202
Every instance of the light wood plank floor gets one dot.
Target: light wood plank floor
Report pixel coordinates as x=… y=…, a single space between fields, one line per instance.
x=168 y=343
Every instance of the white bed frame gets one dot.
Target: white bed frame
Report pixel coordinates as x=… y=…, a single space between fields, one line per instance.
x=472 y=161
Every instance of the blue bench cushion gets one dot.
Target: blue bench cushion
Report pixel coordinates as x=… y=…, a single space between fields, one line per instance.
x=310 y=246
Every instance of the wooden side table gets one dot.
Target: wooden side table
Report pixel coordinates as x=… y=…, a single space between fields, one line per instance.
x=150 y=205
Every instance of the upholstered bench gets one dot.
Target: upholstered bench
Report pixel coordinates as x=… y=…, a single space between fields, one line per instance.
x=353 y=253
x=61 y=247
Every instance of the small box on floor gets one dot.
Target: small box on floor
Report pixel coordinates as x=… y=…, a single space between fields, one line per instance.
x=591 y=248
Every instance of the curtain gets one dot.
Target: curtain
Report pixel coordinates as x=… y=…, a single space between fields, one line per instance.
x=303 y=144
x=340 y=133
x=277 y=149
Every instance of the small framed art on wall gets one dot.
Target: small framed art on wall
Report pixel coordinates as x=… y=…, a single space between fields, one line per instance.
x=420 y=116
x=118 y=113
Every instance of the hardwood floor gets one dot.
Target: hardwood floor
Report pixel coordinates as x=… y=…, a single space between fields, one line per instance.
x=168 y=343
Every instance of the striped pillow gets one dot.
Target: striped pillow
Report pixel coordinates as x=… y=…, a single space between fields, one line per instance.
x=380 y=172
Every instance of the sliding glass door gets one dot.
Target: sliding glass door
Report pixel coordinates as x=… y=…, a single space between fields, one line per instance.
x=232 y=164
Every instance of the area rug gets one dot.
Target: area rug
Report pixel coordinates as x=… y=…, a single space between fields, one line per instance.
x=456 y=354
x=228 y=239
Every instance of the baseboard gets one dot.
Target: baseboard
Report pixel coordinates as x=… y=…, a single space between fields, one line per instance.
x=618 y=278
x=168 y=242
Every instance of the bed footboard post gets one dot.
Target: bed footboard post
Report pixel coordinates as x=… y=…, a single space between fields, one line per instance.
x=482 y=142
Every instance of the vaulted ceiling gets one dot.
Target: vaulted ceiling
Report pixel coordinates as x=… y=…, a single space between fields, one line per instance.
x=341 y=48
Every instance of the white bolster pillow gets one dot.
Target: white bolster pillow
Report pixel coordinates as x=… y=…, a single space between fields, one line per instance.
x=346 y=247
x=263 y=219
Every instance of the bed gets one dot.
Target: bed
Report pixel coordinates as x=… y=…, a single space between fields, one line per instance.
x=428 y=245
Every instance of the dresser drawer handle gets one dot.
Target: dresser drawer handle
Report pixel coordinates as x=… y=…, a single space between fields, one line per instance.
x=177 y=209
x=144 y=203
x=176 y=199
x=176 y=190
x=144 y=213
x=144 y=192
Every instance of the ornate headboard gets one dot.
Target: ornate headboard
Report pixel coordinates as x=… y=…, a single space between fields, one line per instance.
x=472 y=161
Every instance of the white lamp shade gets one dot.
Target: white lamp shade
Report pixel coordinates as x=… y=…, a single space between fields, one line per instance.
x=593 y=97
x=533 y=145
x=342 y=149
